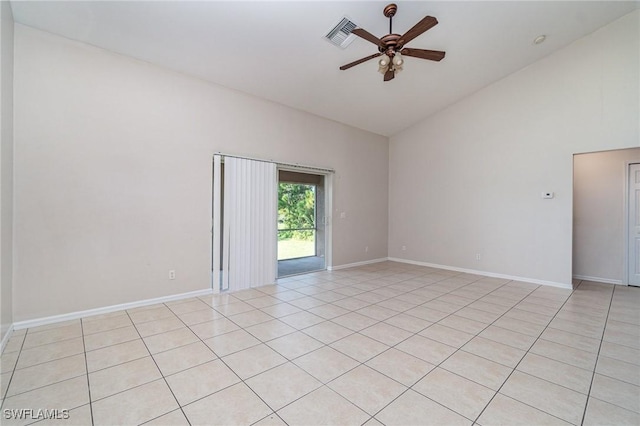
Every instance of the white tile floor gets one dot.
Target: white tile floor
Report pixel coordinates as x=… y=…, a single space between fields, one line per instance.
x=388 y=343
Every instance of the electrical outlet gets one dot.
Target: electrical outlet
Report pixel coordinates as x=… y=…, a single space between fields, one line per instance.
x=404 y=248
x=172 y=274
x=478 y=257
x=366 y=249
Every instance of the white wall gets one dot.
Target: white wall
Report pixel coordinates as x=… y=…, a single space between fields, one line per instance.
x=113 y=174
x=599 y=181
x=469 y=179
x=6 y=167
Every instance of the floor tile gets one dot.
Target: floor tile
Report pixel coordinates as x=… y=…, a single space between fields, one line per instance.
x=263 y=301
x=301 y=320
x=408 y=323
x=619 y=370
x=556 y=372
x=184 y=306
x=235 y=308
x=116 y=354
x=477 y=315
x=229 y=343
x=359 y=347
x=170 y=339
x=620 y=352
x=270 y=330
x=463 y=324
x=380 y=390
x=354 y=321
x=328 y=311
x=51 y=336
x=247 y=319
x=294 y=345
x=160 y=326
x=280 y=310
x=503 y=410
x=213 y=328
x=446 y=335
x=327 y=332
x=377 y=312
x=478 y=369
x=174 y=418
x=400 y=366
x=507 y=337
x=110 y=337
x=254 y=360
x=494 y=351
x=198 y=317
x=548 y=397
x=235 y=405
x=271 y=420
x=80 y=416
x=426 y=349
x=50 y=352
x=135 y=406
x=68 y=394
x=385 y=333
x=325 y=364
x=603 y=413
x=454 y=392
x=147 y=315
x=109 y=323
x=282 y=385
x=45 y=374
x=566 y=354
x=570 y=339
x=312 y=410
x=616 y=392
x=427 y=314
x=184 y=357
x=200 y=381
x=411 y=408
x=121 y=377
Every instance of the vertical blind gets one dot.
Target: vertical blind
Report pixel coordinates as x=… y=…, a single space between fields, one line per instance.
x=248 y=213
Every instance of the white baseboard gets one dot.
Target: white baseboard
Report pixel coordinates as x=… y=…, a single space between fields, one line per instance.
x=485 y=273
x=351 y=265
x=6 y=338
x=105 y=310
x=597 y=279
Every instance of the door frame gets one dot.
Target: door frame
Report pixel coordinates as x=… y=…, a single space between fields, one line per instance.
x=626 y=223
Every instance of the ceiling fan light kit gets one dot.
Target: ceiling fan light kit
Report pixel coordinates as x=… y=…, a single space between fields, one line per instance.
x=391 y=46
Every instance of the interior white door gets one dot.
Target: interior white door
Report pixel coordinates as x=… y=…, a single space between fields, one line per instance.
x=634 y=225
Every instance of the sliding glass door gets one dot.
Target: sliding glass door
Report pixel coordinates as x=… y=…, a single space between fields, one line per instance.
x=297 y=230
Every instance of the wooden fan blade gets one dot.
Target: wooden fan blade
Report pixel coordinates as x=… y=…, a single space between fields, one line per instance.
x=389 y=75
x=359 y=61
x=425 y=24
x=366 y=35
x=432 y=55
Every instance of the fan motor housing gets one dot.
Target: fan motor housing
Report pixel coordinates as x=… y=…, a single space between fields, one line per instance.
x=390 y=42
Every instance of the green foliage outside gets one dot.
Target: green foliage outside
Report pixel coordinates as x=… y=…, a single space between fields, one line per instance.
x=296 y=209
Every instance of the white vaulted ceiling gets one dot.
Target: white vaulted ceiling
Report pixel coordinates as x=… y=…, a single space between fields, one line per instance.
x=276 y=50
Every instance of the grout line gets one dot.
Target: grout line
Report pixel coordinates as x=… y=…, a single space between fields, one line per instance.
x=593 y=375
x=86 y=366
x=161 y=374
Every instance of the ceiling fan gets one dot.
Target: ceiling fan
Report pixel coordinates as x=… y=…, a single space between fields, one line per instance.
x=391 y=47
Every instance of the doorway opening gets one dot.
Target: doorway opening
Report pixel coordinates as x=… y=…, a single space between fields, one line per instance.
x=301 y=223
x=605 y=217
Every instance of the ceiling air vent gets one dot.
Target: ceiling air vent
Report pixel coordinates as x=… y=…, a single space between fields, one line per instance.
x=341 y=35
